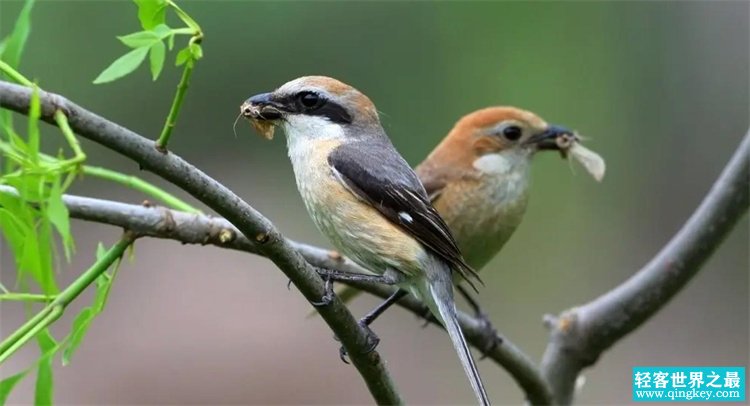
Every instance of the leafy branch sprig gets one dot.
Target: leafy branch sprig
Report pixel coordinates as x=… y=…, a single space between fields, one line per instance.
x=55 y=308
x=29 y=218
x=57 y=165
x=38 y=324
x=151 y=41
x=27 y=221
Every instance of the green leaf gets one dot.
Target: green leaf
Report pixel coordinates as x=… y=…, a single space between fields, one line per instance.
x=151 y=12
x=30 y=185
x=29 y=260
x=58 y=215
x=47 y=343
x=31 y=248
x=197 y=51
x=7 y=384
x=146 y=38
x=162 y=31
x=139 y=39
x=78 y=331
x=45 y=253
x=15 y=154
x=14 y=44
x=122 y=66
x=13 y=229
x=15 y=140
x=156 y=59
x=44 y=382
x=44 y=379
x=183 y=56
x=103 y=283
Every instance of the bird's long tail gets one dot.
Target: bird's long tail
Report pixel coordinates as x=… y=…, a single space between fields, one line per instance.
x=437 y=292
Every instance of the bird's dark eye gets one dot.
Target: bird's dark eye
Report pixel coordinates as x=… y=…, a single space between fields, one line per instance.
x=309 y=100
x=512 y=132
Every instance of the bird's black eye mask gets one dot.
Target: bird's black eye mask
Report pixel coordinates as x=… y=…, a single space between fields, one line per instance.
x=272 y=107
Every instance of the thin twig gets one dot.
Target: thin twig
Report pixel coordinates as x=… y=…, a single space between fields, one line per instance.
x=62 y=122
x=140 y=185
x=174 y=111
x=196 y=33
x=26 y=297
x=580 y=335
x=14 y=74
x=216 y=196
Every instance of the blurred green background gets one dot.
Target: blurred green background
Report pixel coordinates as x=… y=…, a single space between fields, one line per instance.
x=659 y=88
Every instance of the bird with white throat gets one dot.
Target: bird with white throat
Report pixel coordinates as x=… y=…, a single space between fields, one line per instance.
x=365 y=198
x=478 y=176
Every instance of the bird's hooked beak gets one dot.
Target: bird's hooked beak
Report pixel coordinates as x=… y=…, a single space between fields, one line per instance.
x=553 y=138
x=261 y=107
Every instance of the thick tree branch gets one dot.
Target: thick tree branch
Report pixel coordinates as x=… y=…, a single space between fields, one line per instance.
x=580 y=335
x=191 y=228
x=250 y=222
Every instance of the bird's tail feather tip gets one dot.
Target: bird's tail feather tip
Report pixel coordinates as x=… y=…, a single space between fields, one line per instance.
x=441 y=294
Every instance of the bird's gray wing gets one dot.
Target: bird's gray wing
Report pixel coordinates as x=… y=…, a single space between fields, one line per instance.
x=377 y=174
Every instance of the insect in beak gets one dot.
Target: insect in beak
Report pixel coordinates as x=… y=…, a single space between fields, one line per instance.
x=554 y=138
x=262 y=114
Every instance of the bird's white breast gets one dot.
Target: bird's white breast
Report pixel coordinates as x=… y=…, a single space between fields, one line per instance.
x=354 y=227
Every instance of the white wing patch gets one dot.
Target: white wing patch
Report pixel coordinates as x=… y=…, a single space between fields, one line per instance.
x=406 y=217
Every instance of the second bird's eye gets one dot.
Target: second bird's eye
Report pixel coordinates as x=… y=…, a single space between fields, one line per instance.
x=512 y=132
x=309 y=99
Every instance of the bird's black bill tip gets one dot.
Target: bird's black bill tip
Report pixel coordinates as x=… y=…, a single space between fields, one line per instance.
x=260 y=107
x=553 y=138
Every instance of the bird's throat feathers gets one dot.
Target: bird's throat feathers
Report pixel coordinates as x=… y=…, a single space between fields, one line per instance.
x=507 y=162
x=503 y=187
x=305 y=129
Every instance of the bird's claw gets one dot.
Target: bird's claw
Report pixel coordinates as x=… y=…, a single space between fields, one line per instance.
x=328 y=296
x=343 y=355
x=372 y=342
x=325 y=300
x=491 y=338
x=372 y=339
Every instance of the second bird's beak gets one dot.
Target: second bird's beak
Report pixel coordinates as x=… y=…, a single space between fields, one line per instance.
x=261 y=107
x=551 y=138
